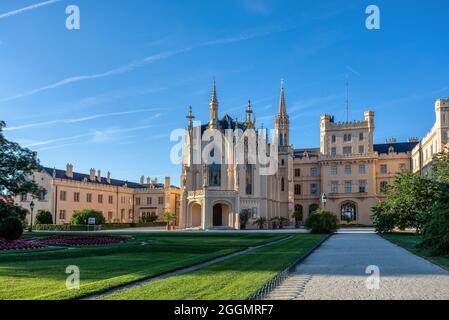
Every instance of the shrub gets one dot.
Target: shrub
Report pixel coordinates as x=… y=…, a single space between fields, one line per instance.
x=11 y=228
x=436 y=231
x=81 y=217
x=261 y=222
x=322 y=222
x=149 y=219
x=12 y=210
x=44 y=217
x=244 y=218
x=383 y=220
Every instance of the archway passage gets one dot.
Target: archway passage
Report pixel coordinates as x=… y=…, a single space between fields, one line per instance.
x=196 y=215
x=217 y=219
x=348 y=212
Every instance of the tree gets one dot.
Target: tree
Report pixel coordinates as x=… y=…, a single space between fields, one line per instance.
x=169 y=217
x=436 y=231
x=383 y=219
x=44 y=217
x=440 y=167
x=261 y=222
x=411 y=198
x=16 y=164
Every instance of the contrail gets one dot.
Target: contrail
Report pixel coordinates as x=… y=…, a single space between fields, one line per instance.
x=34 y=6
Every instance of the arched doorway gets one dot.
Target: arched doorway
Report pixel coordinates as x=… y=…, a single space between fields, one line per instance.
x=348 y=212
x=195 y=215
x=221 y=215
x=217 y=219
x=298 y=208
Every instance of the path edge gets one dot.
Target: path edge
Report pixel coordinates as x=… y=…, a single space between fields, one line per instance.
x=280 y=277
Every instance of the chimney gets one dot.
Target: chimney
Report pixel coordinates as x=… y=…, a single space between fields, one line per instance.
x=92 y=174
x=391 y=141
x=413 y=139
x=148 y=180
x=69 y=171
x=142 y=180
x=99 y=176
x=167 y=182
x=109 y=177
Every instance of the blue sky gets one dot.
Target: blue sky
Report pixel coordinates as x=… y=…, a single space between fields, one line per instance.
x=108 y=95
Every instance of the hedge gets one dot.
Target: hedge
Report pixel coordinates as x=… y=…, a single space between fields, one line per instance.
x=107 y=226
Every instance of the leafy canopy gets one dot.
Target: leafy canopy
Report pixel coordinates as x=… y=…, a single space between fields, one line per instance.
x=16 y=164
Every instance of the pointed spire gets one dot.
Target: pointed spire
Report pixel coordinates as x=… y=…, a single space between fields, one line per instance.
x=214 y=99
x=190 y=117
x=248 y=112
x=213 y=108
x=282 y=110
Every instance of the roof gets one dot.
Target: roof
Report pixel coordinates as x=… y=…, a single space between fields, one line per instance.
x=400 y=147
x=61 y=174
x=299 y=153
x=227 y=122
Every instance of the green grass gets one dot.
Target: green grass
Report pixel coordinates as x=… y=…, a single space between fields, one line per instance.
x=410 y=241
x=40 y=274
x=236 y=278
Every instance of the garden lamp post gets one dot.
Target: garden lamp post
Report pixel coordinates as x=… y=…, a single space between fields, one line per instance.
x=324 y=199
x=30 y=229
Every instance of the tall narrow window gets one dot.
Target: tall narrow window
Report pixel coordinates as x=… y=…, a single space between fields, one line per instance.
x=249 y=179
x=297 y=189
x=282 y=184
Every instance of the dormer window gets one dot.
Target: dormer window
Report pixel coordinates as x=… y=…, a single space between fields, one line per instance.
x=391 y=149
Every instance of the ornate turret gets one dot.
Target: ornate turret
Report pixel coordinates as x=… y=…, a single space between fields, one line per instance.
x=213 y=108
x=250 y=123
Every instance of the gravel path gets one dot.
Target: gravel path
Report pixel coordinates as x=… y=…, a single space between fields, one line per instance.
x=336 y=271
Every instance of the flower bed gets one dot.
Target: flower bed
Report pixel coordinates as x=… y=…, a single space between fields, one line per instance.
x=82 y=240
x=21 y=244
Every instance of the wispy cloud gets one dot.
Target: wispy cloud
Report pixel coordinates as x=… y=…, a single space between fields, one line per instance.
x=109 y=134
x=150 y=59
x=32 y=7
x=51 y=141
x=80 y=119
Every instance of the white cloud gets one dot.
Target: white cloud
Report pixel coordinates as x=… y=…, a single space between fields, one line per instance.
x=34 y=6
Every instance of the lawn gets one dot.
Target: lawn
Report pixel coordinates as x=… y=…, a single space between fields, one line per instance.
x=409 y=241
x=40 y=273
x=236 y=278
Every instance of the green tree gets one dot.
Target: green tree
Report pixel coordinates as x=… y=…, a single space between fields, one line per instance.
x=16 y=164
x=440 y=167
x=169 y=217
x=44 y=217
x=383 y=219
x=411 y=198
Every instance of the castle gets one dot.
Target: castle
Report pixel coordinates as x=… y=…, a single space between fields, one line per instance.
x=346 y=175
